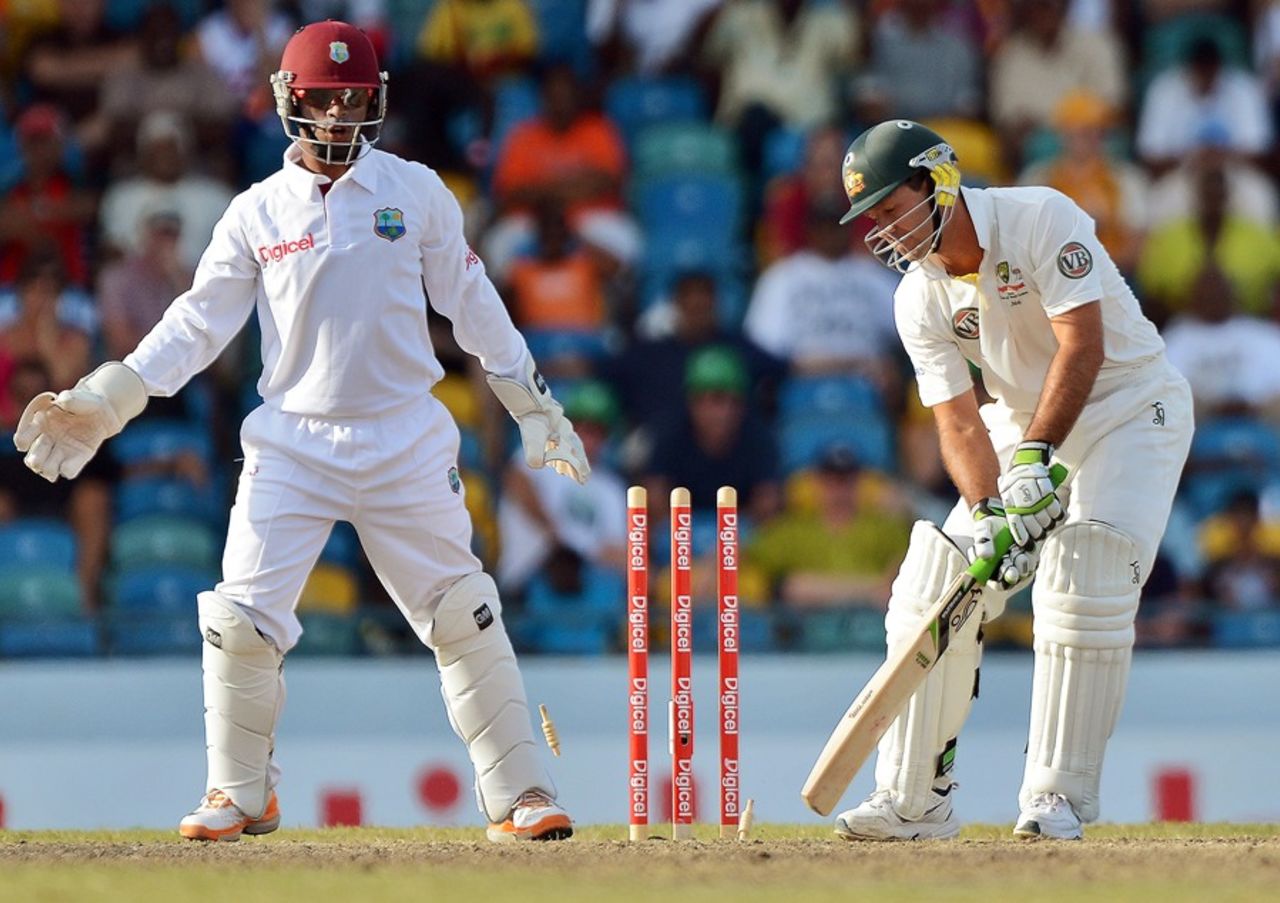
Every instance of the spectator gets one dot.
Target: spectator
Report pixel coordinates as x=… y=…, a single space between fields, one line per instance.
x=464 y=48
x=1203 y=93
x=536 y=517
x=1232 y=361
x=42 y=317
x=1109 y=189
x=842 y=552
x=784 y=223
x=1041 y=61
x=895 y=84
x=242 y=44
x=68 y=65
x=84 y=503
x=569 y=156
x=559 y=286
x=1247 y=253
x=717 y=443
x=483 y=38
x=779 y=63
x=1251 y=193
x=572 y=607
x=166 y=181
x=651 y=371
x=827 y=309
x=165 y=80
x=134 y=293
x=1243 y=554
x=45 y=205
x=647 y=37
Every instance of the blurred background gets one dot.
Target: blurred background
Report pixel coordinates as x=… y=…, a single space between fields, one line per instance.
x=654 y=187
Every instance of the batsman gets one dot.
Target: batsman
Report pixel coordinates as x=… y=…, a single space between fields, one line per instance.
x=333 y=252
x=1014 y=282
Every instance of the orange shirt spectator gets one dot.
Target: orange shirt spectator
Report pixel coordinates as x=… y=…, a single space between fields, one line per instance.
x=566 y=154
x=562 y=293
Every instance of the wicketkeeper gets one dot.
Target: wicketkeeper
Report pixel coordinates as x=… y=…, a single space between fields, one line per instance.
x=1014 y=281
x=334 y=251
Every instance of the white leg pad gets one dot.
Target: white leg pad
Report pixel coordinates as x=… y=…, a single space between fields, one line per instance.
x=484 y=695
x=1085 y=599
x=243 y=695
x=918 y=749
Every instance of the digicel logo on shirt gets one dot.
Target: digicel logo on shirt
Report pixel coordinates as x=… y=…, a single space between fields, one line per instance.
x=277 y=252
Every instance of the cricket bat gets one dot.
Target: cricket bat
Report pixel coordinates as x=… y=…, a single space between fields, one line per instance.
x=887 y=693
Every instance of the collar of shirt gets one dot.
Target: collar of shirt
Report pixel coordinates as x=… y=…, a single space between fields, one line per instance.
x=978 y=203
x=306 y=184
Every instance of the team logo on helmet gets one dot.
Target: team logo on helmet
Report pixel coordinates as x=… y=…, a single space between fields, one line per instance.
x=388 y=223
x=965 y=322
x=853 y=183
x=1074 y=260
x=338 y=51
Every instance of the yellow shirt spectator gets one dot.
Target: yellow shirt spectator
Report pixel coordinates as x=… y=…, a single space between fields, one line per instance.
x=1247 y=253
x=486 y=36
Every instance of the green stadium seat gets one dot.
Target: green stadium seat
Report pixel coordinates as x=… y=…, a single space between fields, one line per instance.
x=39 y=595
x=163 y=539
x=683 y=147
x=841 y=630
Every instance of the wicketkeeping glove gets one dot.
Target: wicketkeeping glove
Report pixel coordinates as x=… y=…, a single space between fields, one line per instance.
x=546 y=434
x=1030 y=503
x=1018 y=564
x=60 y=433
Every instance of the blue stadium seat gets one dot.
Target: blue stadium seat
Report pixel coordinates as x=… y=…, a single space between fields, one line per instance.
x=824 y=395
x=784 y=151
x=1246 y=629
x=515 y=99
x=160 y=589
x=164 y=495
x=1166 y=43
x=41 y=543
x=342 y=546
x=709 y=205
x=548 y=344
x=328 y=634
x=636 y=102
x=562 y=32
x=1228 y=456
x=841 y=630
x=64 y=637
x=870 y=435
x=683 y=147
x=153 y=635
x=159 y=440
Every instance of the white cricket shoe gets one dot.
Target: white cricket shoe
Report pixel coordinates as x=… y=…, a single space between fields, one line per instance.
x=535 y=816
x=876 y=819
x=217 y=818
x=1048 y=815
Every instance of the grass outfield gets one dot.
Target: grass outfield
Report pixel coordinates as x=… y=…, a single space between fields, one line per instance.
x=1116 y=863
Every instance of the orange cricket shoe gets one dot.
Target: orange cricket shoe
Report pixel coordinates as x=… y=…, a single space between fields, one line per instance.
x=535 y=816
x=217 y=818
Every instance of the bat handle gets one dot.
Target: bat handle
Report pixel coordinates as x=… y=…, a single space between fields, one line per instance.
x=982 y=569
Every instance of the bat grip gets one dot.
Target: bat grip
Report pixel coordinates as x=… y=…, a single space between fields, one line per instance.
x=982 y=569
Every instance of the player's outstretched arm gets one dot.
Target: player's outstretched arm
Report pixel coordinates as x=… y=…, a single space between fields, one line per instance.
x=546 y=434
x=60 y=433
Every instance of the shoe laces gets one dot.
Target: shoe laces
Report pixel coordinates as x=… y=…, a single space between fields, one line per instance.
x=215 y=799
x=1050 y=801
x=532 y=799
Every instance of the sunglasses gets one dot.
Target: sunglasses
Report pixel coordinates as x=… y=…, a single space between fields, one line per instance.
x=324 y=98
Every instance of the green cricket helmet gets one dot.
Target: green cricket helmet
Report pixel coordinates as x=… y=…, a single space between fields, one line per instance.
x=886 y=156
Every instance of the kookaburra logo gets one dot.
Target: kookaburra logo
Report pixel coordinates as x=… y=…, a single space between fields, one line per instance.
x=965 y=322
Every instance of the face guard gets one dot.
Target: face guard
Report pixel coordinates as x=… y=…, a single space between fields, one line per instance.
x=301 y=129
x=905 y=252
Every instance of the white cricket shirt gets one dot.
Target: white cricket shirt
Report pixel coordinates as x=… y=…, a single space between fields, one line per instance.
x=338 y=282
x=1041 y=258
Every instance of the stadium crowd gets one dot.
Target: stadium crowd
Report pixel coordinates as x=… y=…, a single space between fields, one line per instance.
x=654 y=186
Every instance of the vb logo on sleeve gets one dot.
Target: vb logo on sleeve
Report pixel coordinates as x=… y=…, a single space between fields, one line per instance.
x=1074 y=260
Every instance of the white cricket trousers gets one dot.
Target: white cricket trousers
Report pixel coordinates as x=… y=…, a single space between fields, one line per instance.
x=393 y=477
